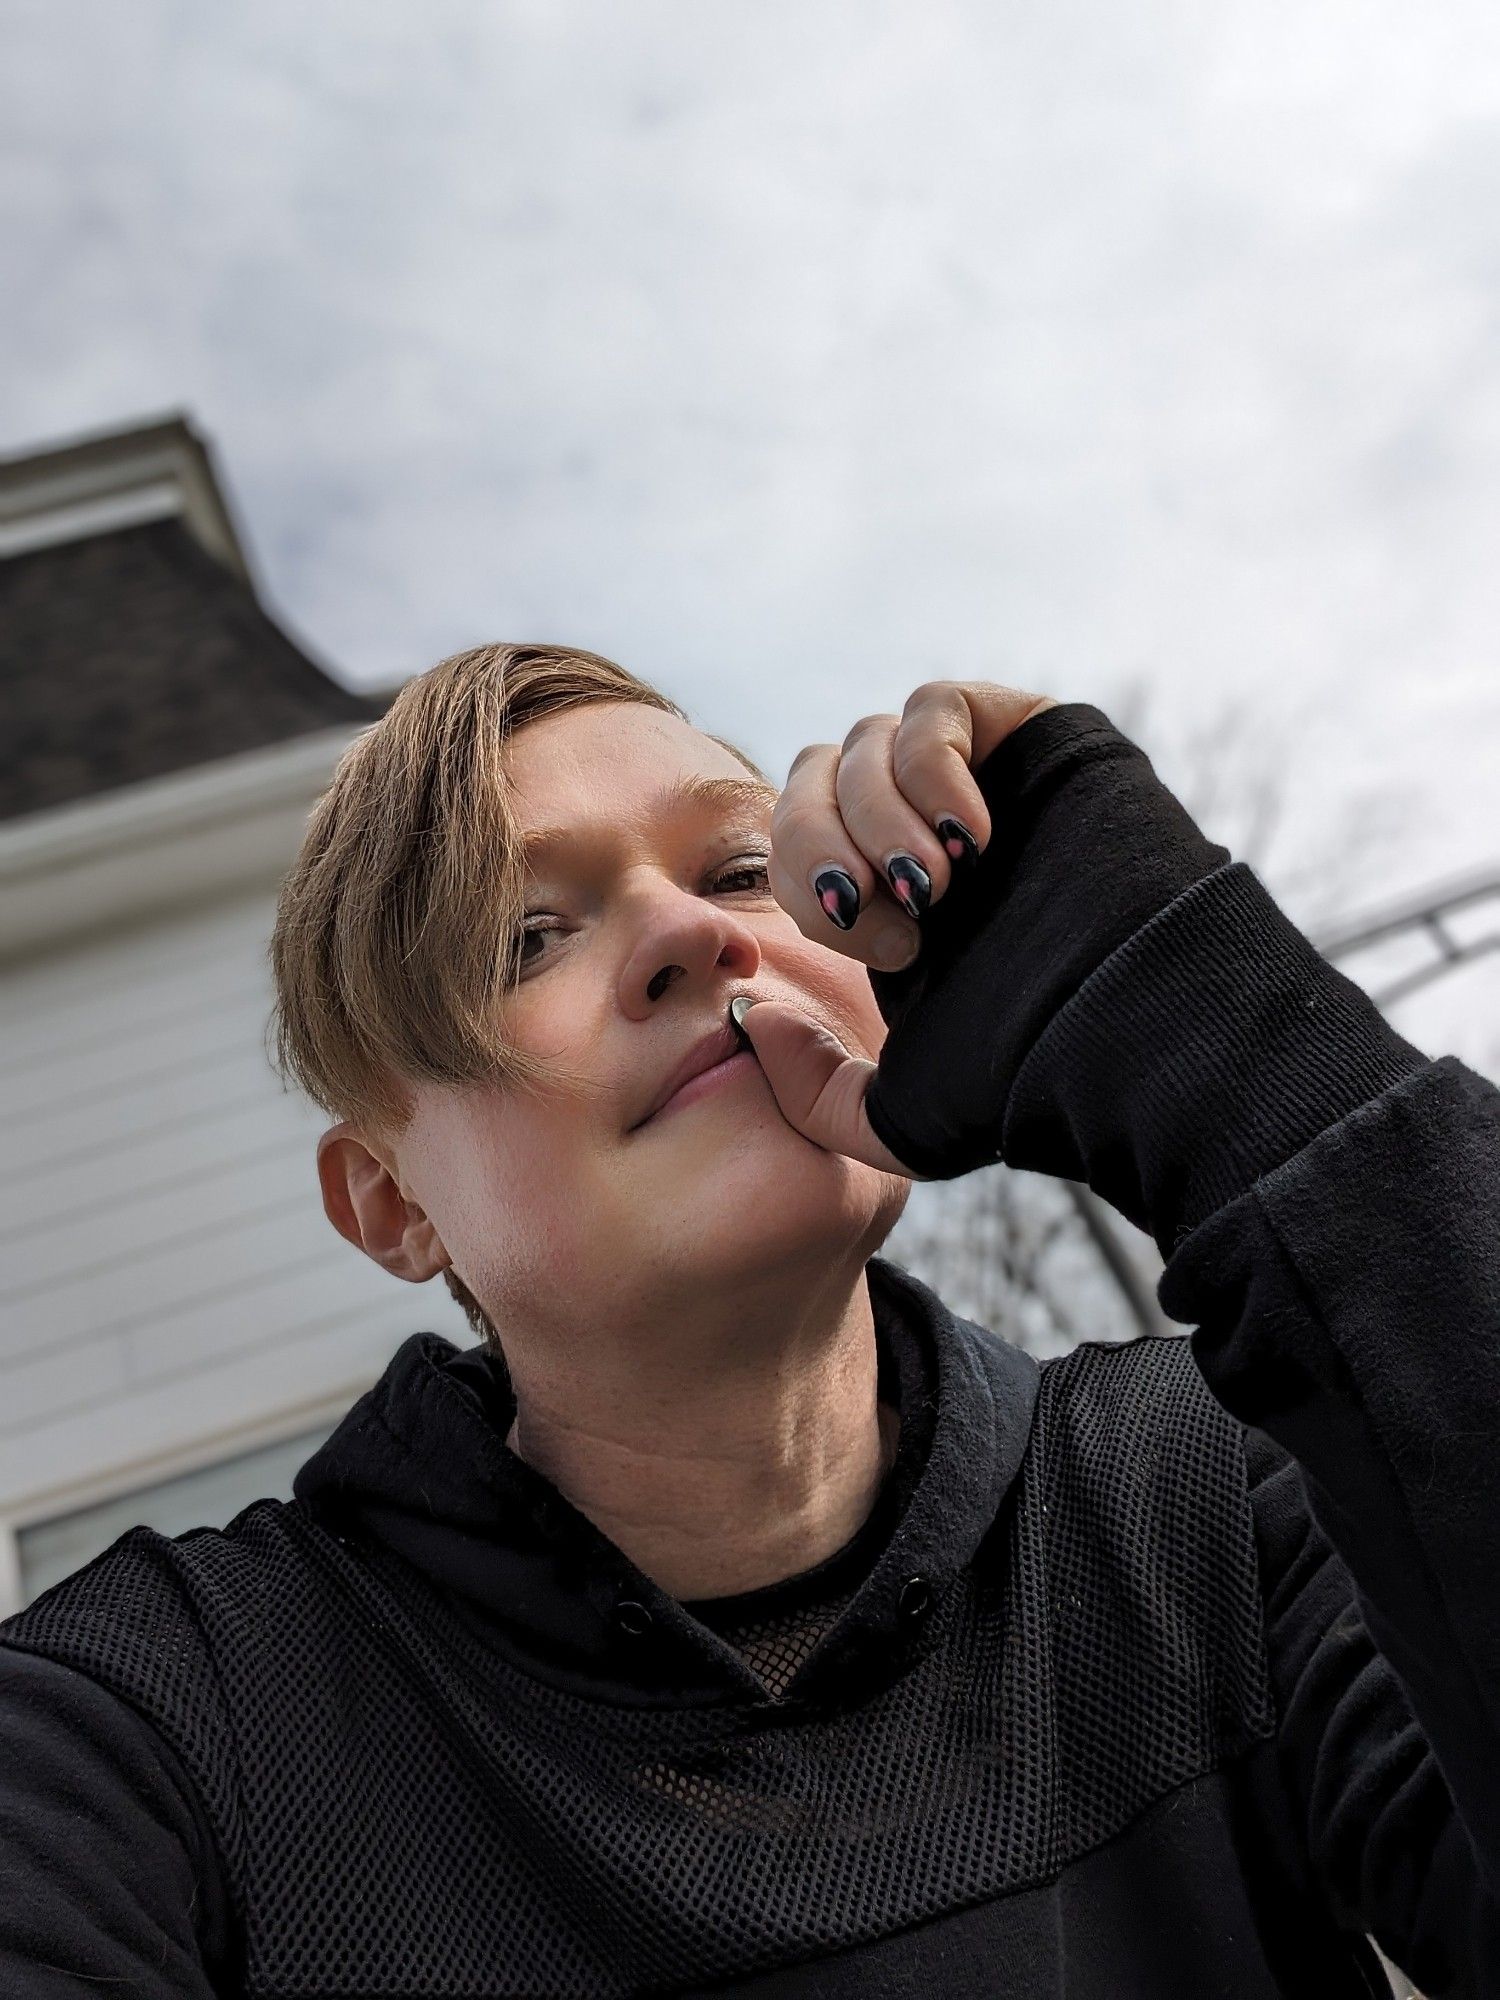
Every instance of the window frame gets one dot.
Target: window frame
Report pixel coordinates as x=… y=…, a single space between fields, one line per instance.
x=141 y=1475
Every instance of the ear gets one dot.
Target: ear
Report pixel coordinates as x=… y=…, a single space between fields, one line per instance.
x=364 y=1202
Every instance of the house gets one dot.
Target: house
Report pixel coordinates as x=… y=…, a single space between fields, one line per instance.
x=180 y=1325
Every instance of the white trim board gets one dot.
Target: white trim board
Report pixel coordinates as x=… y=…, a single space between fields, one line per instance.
x=73 y=1496
x=118 y=856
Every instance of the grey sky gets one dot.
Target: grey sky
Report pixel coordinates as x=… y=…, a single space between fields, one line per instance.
x=794 y=354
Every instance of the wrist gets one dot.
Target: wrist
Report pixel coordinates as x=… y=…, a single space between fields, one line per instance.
x=1087 y=845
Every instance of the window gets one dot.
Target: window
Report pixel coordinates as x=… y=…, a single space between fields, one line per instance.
x=208 y=1497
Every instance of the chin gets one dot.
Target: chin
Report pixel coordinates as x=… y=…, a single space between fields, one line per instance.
x=767 y=1198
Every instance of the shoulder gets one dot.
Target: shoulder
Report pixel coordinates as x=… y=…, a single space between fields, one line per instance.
x=1131 y=1452
x=156 y=1603
x=1137 y=1487
x=1138 y=1409
x=169 y=1624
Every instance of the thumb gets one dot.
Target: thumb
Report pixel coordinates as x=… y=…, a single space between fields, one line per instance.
x=819 y=1087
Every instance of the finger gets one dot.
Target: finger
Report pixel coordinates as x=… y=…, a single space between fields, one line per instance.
x=818 y=1086
x=932 y=754
x=997 y=711
x=808 y=838
x=905 y=851
x=947 y=729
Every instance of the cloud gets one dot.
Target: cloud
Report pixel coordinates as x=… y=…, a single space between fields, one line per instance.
x=795 y=355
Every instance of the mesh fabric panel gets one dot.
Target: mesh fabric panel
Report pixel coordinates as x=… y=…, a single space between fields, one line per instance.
x=776 y=1647
x=403 y=1812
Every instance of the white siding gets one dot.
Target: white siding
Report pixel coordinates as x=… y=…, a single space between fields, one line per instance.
x=172 y=1292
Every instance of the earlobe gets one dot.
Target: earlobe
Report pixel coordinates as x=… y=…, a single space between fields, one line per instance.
x=425 y=1255
x=364 y=1202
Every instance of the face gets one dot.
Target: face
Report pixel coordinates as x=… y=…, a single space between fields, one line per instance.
x=643 y=916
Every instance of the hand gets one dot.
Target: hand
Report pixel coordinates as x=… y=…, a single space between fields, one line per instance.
x=854 y=807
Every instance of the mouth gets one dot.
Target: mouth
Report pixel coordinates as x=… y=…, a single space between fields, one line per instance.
x=719 y=1057
x=720 y=1075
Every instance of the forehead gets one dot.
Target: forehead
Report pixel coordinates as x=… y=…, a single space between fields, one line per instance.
x=622 y=761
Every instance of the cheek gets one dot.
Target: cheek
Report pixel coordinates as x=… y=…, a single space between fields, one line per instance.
x=506 y=1209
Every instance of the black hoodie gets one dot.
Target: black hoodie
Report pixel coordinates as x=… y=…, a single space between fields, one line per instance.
x=1164 y=1668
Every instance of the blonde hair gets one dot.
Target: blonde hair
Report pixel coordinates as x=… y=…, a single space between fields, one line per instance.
x=393 y=949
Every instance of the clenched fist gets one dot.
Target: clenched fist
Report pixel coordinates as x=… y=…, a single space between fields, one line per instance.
x=866 y=834
x=866 y=837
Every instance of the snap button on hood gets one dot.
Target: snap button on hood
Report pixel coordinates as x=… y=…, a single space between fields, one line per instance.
x=418 y=1472
x=916 y=1596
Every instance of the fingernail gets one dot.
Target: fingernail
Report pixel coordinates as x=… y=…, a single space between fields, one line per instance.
x=739 y=1007
x=838 y=892
x=959 y=844
x=911 y=882
x=894 y=949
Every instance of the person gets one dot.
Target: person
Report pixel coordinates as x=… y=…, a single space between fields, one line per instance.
x=735 y=1616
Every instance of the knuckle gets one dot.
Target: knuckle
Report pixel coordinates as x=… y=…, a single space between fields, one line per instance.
x=855 y=801
x=793 y=823
x=866 y=725
x=809 y=750
x=928 y=692
x=1011 y=702
x=917 y=756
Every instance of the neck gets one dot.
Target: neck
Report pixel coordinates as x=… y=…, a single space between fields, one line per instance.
x=714 y=1484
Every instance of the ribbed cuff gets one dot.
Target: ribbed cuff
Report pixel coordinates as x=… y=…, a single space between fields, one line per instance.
x=1087 y=845
x=1207 y=1049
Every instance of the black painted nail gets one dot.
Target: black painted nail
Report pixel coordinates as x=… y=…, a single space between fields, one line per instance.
x=911 y=882
x=958 y=843
x=838 y=892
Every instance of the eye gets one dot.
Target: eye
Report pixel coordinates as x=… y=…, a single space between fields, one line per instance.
x=536 y=925
x=760 y=868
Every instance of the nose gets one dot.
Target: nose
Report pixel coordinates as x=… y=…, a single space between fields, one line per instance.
x=685 y=939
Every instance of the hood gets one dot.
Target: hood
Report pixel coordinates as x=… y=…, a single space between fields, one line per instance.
x=418 y=1472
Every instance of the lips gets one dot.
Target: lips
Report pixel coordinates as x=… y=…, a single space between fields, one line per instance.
x=714 y=1048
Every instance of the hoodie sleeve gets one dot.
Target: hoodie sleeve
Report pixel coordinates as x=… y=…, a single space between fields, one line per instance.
x=1370 y=1815
x=1326 y=1198
x=109 y=1881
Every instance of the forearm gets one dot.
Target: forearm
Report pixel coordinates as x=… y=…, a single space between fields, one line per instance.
x=1325 y=1195
x=1106 y=997
x=109 y=1880
x=1360 y=1792
x=1204 y=1052
x=1349 y=1307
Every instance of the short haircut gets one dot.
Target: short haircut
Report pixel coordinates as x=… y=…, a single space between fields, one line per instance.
x=393 y=946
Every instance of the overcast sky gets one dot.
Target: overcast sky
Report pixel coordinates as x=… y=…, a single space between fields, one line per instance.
x=793 y=354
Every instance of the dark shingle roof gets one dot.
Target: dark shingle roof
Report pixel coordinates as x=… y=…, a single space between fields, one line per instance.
x=132 y=654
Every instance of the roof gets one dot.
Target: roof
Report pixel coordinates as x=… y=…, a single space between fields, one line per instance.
x=132 y=641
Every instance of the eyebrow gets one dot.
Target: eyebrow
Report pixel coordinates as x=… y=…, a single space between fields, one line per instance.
x=723 y=795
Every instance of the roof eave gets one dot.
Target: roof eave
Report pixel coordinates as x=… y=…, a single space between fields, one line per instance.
x=107 y=862
x=119 y=479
